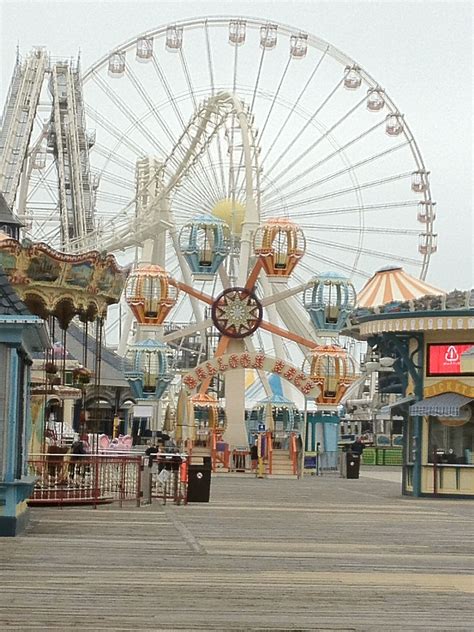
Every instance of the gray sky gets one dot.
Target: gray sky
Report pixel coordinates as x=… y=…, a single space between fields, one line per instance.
x=421 y=52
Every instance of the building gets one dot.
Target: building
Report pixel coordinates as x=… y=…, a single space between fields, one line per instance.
x=21 y=335
x=430 y=342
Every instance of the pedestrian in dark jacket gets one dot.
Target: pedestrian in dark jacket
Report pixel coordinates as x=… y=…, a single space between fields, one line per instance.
x=357 y=447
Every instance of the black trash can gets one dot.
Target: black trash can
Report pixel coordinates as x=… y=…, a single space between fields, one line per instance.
x=352 y=465
x=199 y=481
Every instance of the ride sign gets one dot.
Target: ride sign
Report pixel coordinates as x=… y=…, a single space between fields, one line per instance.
x=302 y=381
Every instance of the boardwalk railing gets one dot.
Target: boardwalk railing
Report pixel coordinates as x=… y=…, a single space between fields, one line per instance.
x=65 y=479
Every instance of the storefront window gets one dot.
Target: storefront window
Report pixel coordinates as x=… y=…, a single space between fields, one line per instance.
x=454 y=443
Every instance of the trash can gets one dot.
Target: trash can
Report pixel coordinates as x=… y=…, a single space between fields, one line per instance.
x=199 y=481
x=352 y=465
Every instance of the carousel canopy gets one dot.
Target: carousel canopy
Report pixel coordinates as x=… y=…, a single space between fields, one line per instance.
x=393 y=284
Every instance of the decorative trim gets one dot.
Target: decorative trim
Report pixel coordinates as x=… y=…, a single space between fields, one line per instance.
x=449 y=386
x=424 y=323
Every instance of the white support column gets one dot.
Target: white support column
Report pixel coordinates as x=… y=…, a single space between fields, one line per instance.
x=235 y=434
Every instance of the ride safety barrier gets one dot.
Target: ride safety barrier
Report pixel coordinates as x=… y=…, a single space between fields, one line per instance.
x=294 y=452
x=169 y=477
x=70 y=479
x=321 y=463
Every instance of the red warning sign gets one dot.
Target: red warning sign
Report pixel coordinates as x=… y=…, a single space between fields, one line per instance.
x=445 y=359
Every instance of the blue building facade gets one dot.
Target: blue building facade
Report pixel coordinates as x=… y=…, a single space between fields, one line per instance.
x=21 y=334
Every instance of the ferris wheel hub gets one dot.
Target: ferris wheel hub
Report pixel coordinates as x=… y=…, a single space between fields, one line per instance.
x=237 y=312
x=231 y=212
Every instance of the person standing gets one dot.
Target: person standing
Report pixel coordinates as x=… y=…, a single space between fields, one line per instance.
x=357 y=447
x=254 y=457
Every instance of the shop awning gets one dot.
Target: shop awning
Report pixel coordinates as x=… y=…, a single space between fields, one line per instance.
x=445 y=405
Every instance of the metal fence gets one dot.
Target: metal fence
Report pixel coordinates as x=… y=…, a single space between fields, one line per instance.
x=322 y=463
x=64 y=479
x=167 y=478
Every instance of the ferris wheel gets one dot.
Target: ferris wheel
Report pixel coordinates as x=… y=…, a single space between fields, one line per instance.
x=242 y=121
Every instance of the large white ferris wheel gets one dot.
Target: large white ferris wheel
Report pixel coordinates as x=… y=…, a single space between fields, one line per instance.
x=238 y=119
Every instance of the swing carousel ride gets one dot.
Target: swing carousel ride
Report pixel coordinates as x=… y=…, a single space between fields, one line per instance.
x=233 y=163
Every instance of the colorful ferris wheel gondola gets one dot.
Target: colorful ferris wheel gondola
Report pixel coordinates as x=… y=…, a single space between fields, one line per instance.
x=279 y=244
x=150 y=295
x=147 y=368
x=328 y=300
x=205 y=244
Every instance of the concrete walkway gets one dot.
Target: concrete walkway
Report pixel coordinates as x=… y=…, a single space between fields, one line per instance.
x=387 y=473
x=318 y=554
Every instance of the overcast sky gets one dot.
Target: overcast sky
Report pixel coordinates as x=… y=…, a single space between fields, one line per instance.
x=421 y=52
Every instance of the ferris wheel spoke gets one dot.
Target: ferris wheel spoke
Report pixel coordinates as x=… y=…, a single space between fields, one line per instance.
x=113 y=197
x=350 y=168
x=274 y=98
x=343 y=210
x=111 y=129
x=284 y=333
x=191 y=192
x=295 y=138
x=328 y=157
x=174 y=104
x=171 y=97
x=128 y=113
x=333 y=245
x=210 y=189
x=356 y=229
x=150 y=105
x=339 y=192
x=335 y=264
x=254 y=94
x=293 y=109
x=215 y=182
x=269 y=113
x=231 y=179
x=185 y=211
x=210 y=67
x=186 y=145
x=284 y=294
x=116 y=180
x=319 y=140
x=111 y=156
x=187 y=76
x=257 y=80
x=187 y=202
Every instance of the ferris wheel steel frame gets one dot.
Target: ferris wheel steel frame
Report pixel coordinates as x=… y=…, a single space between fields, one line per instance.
x=326 y=49
x=189 y=156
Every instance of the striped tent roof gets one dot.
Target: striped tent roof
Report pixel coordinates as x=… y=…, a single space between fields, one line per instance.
x=393 y=284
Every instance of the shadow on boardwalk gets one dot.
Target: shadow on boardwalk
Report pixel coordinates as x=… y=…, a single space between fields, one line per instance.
x=317 y=554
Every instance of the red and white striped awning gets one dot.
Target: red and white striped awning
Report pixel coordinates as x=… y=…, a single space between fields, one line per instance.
x=393 y=284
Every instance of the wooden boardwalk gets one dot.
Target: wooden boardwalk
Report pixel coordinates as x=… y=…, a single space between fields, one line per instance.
x=317 y=554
